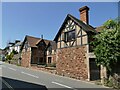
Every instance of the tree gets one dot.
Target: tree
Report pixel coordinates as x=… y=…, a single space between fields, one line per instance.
x=14 y=52
x=9 y=57
x=107 y=44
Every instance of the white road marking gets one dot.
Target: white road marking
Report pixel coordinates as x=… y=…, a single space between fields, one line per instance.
x=62 y=85
x=12 y=69
x=30 y=74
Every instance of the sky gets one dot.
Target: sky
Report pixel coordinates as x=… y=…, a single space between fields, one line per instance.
x=45 y=18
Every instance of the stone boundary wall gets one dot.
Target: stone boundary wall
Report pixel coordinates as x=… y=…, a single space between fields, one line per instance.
x=26 y=57
x=72 y=62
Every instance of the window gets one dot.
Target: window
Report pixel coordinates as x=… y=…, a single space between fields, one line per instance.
x=42 y=44
x=62 y=37
x=50 y=49
x=70 y=36
x=49 y=59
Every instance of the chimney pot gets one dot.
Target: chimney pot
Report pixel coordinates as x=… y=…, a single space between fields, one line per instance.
x=84 y=16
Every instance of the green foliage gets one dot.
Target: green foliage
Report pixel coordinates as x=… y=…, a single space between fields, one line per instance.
x=107 y=45
x=14 y=52
x=113 y=81
x=9 y=57
x=110 y=24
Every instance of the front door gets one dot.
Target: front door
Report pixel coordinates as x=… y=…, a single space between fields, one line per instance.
x=94 y=70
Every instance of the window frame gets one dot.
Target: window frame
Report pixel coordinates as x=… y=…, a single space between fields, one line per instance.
x=49 y=60
x=50 y=49
x=69 y=35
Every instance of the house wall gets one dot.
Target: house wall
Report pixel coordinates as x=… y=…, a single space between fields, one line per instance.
x=26 y=57
x=17 y=48
x=34 y=56
x=81 y=37
x=71 y=57
x=11 y=48
x=37 y=53
x=52 y=55
x=72 y=62
x=53 y=60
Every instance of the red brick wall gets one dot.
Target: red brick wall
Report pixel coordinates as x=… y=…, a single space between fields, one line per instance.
x=71 y=62
x=26 y=59
x=84 y=16
x=54 y=59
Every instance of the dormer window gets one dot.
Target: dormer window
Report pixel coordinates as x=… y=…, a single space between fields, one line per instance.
x=50 y=49
x=41 y=43
x=70 y=35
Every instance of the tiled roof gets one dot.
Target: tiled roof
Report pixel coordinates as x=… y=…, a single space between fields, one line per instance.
x=33 y=41
x=53 y=44
x=99 y=29
x=81 y=23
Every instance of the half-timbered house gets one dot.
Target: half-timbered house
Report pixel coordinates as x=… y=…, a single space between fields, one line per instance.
x=73 y=55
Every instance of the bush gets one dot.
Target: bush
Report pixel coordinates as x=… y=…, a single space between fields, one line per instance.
x=116 y=81
x=110 y=82
x=113 y=81
x=105 y=80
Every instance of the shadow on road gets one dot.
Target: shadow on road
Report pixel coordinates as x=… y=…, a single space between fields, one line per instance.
x=7 y=83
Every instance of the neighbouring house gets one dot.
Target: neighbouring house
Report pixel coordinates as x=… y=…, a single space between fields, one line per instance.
x=14 y=46
x=51 y=53
x=74 y=56
x=17 y=45
x=10 y=47
x=34 y=51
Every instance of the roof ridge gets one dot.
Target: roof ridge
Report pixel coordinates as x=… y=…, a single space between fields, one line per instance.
x=80 y=20
x=32 y=37
x=37 y=38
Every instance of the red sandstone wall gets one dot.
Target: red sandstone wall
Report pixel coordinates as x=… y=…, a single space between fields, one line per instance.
x=54 y=59
x=71 y=62
x=26 y=58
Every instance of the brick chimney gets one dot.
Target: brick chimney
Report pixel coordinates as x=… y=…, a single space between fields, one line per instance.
x=84 y=16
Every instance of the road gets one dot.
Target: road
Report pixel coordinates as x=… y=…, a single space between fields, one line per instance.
x=16 y=77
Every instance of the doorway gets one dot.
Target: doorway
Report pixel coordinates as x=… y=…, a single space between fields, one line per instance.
x=94 y=70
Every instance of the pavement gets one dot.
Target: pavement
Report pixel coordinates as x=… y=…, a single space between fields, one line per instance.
x=19 y=78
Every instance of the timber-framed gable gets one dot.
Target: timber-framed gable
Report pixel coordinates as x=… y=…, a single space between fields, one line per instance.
x=72 y=34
